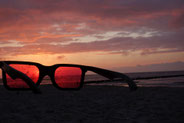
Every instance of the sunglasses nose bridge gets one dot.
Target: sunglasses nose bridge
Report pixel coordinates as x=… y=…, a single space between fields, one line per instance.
x=47 y=70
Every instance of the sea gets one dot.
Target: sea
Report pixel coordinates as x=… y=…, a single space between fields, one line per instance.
x=94 y=79
x=169 y=81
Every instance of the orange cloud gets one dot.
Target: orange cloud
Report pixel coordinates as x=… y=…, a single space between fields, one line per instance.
x=34 y=25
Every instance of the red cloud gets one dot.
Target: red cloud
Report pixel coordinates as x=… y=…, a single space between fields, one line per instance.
x=36 y=24
x=147 y=45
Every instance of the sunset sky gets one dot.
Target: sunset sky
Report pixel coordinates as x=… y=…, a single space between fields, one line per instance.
x=101 y=33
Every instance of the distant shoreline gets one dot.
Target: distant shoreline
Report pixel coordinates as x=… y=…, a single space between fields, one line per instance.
x=166 y=78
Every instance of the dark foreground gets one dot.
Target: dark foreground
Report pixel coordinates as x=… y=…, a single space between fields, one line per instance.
x=93 y=104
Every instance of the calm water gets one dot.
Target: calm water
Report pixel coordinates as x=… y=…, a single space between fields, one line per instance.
x=168 y=82
x=161 y=82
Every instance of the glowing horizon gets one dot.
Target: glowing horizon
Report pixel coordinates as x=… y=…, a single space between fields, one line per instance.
x=106 y=33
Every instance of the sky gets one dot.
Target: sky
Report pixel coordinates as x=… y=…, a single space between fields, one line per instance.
x=102 y=33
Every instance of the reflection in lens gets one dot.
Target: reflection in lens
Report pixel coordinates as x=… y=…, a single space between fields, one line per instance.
x=68 y=77
x=30 y=70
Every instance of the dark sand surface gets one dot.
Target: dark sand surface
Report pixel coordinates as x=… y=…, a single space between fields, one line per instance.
x=93 y=104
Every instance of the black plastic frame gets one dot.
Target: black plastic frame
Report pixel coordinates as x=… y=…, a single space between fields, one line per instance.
x=13 y=73
x=50 y=71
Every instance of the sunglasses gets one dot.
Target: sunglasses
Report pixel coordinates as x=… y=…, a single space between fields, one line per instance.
x=19 y=75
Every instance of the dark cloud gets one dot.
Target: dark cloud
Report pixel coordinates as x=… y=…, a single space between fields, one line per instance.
x=61 y=57
x=165 y=43
x=35 y=25
x=172 y=66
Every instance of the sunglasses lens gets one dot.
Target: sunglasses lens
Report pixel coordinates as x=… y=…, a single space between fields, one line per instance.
x=30 y=70
x=68 y=77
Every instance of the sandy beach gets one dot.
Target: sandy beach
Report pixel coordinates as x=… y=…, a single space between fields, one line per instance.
x=93 y=104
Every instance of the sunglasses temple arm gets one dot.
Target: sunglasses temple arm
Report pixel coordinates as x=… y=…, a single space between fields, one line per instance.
x=112 y=75
x=13 y=73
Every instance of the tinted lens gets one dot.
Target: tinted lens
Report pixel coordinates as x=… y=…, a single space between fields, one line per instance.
x=68 y=77
x=30 y=70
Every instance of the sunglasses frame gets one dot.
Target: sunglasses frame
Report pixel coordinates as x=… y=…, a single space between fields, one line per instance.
x=43 y=71
x=50 y=71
